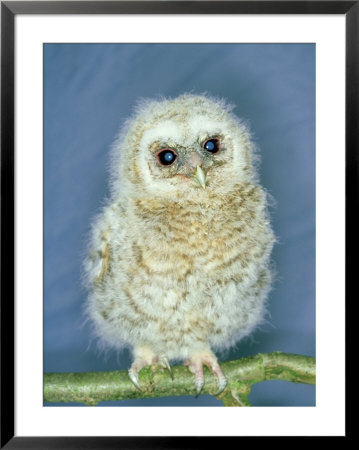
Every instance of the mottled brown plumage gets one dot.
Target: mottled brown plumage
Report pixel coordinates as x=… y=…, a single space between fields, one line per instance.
x=179 y=258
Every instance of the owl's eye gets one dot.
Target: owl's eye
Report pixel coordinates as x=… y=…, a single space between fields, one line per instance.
x=212 y=145
x=166 y=156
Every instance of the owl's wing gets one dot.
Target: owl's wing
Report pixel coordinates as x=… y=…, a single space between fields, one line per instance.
x=98 y=262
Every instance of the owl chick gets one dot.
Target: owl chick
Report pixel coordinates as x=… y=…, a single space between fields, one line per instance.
x=179 y=257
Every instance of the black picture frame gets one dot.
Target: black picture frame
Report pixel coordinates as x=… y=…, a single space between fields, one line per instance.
x=9 y=9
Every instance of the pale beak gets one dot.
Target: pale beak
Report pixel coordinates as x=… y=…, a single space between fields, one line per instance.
x=200 y=176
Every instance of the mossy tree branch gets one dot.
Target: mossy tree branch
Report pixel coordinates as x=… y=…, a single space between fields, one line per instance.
x=94 y=387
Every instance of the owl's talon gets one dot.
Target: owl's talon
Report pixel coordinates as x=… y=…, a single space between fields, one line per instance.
x=167 y=365
x=217 y=371
x=196 y=367
x=199 y=383
x=133 y=376
x=222 y=383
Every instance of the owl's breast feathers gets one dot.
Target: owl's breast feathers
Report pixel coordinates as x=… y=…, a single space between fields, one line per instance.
x=218 y=238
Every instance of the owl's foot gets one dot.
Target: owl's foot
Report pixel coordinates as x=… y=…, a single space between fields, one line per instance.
x=195 y=365
x=139 y=363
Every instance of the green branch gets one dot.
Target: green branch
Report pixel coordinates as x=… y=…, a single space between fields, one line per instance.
x=94 y=387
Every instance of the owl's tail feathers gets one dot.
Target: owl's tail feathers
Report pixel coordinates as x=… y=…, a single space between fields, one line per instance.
x=195 y=365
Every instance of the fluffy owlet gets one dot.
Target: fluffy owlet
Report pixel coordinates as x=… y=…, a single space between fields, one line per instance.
x=179 y=258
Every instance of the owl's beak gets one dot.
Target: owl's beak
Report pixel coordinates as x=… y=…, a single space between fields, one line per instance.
x=200 y=176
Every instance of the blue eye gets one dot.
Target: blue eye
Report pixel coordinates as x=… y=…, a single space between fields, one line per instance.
x=212 y=145
x=166 y=156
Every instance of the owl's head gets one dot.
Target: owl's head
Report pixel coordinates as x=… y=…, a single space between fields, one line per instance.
x=187 y=147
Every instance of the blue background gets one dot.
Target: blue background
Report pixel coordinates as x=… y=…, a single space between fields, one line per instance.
x=89 y=89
